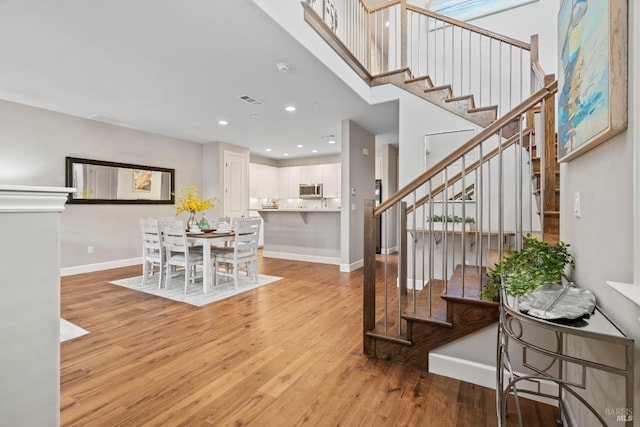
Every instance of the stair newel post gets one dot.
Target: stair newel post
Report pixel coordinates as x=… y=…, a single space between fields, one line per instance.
x=464 y=221
x=402 y=260
x=500 y=196
x=369 y=65
x=369 y=288
x=403 y=34
x=534 y=57
x=519 y=197
x=414 y=242
x=431 y=247
x=550 y=162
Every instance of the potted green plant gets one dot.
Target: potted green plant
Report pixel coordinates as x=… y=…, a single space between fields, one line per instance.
x=537 y=263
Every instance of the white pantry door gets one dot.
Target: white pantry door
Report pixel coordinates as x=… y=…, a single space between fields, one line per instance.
x=235 y=184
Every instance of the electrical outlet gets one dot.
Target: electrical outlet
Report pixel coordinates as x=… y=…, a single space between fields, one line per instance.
x=89 y=249
x=576 y=205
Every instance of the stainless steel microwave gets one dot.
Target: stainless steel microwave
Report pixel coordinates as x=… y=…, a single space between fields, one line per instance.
x=311 y=191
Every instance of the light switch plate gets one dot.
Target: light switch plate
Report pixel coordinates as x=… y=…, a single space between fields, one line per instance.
x=576 y=205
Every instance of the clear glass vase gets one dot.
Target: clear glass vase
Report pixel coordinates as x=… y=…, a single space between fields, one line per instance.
x=191 y=221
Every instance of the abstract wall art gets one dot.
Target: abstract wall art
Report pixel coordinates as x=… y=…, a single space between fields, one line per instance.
x=592 y=68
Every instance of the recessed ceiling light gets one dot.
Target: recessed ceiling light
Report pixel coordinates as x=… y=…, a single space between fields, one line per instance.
x=331 y=141
x=314 y=151
x=283 y=67
x=223 y=122
x=285 y=154
x=299 y=146
x=290 y=108
x=268 y=149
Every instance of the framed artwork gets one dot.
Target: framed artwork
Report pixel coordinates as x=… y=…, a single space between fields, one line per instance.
x=465 y=10
x=592 y=81
x=142 y=180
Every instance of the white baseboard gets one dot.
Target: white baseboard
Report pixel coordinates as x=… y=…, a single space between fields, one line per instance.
x=301 y=257
x=389 y=251
x=420 y=285
x=484 y=375
x=348 y=268
x=90 y=268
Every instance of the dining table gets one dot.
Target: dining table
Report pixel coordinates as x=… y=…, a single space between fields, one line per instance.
x=207 y=239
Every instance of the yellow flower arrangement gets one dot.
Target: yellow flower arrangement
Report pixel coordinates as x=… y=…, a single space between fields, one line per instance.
x=190 y=201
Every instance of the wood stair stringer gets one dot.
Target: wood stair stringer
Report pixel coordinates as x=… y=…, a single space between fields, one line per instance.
x=466 y=316
x=427 y=326
x=442 y=96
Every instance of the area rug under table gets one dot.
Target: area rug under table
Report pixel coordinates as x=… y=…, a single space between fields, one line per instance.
x=194 y=295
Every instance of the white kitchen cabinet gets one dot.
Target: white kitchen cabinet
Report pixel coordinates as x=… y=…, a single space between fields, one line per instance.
x=263 y=181
x=311 y=174
x=289 y=182
x=331 y=180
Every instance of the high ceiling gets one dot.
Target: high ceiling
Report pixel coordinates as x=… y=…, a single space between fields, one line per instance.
x=176 y=69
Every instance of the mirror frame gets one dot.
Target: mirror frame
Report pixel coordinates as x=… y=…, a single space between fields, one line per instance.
x=69 y=161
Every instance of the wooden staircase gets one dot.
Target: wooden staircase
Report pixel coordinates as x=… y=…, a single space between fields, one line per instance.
x=433 y=323
x=464 y=106
x=442 y=96
x=405 y=325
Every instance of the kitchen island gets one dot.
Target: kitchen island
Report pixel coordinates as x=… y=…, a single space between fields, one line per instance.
x=302 y=234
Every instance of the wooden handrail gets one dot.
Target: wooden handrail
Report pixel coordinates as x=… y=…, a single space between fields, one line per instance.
x=452 y=21
x=386 y=5
x=472 y=143
x=364 y=5
x=472 y=28
x=439 y=189
x=316 y=22
x=538 y=71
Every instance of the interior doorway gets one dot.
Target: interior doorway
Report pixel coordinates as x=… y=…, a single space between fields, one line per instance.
x=236 y=183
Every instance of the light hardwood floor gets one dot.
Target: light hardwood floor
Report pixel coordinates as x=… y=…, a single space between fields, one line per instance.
x=285 y=354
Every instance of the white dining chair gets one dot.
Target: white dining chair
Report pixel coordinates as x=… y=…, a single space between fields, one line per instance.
x=244 y=251
x=180 y=254
x=152 y=250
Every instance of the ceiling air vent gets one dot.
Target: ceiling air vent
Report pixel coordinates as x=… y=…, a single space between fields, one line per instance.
x=251 y=100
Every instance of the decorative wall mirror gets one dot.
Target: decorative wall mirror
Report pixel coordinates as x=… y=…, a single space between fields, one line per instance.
x=100 y=182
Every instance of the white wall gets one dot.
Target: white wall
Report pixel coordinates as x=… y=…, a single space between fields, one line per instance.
x=357 y=174
x=602 y=237
x=389 y=175
x=34 y=143
x=522 y=22
x=417 y=119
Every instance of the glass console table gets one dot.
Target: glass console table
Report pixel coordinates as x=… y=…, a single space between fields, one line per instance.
x=516 y=327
